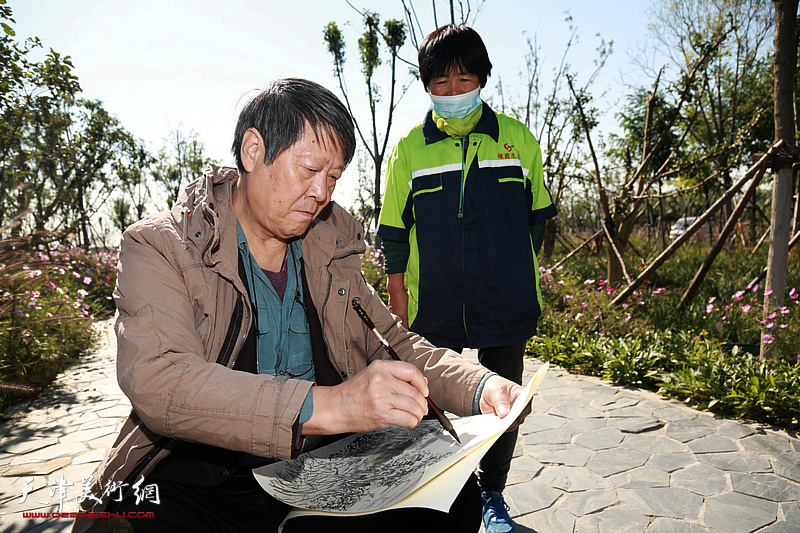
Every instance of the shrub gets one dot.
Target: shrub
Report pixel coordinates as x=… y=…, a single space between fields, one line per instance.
x=697 y=352
x=48 y=301
x=372 y=268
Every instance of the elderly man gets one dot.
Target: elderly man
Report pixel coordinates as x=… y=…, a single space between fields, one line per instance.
x=236 y=346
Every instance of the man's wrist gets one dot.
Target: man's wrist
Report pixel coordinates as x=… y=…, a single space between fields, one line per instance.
x=476 y=400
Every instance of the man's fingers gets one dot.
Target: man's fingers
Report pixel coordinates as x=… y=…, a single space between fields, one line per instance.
x=405 y=372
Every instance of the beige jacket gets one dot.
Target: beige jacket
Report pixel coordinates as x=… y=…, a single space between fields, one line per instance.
x=177 y=288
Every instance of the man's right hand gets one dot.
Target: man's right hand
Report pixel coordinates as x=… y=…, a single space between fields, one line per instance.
x=398 y=296
x=385 y=393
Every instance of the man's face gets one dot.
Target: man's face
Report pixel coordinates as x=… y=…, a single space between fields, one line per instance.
x=282 y=198
x=455 y=83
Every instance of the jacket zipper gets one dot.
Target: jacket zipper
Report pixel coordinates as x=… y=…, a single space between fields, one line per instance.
x=232 y=336
x=464 y=144
x=158 y=447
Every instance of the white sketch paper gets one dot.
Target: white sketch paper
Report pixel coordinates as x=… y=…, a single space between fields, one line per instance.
x=389 y=467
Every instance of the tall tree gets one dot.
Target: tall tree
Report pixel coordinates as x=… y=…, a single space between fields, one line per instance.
x=784 y=71
x=32 y=94
x=180 y=160
x=134 y=187
x=376 y=138
x=726 y=116
x=549 y=111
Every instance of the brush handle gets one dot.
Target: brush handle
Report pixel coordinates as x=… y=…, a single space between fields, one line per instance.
x=386 y=346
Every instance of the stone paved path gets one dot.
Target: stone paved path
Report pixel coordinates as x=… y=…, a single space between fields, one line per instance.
x=591 y=458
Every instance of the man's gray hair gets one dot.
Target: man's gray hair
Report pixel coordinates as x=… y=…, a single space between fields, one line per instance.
x=280 y=113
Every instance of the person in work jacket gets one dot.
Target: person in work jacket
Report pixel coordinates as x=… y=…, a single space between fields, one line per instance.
x=237 y=344
x=462 y=220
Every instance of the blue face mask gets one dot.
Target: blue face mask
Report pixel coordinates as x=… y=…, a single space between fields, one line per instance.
x=458 y=106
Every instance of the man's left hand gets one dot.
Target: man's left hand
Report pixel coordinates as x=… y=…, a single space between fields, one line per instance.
x=497 y=397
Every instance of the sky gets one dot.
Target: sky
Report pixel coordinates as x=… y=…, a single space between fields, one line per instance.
x=162 y=65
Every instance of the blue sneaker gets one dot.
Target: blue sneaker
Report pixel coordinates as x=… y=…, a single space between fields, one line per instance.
x=495 y=513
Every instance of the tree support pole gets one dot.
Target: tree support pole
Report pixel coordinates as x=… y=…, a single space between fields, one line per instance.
x=575 y=251
x=610 y=240
x=694 y=286
x=677 y=243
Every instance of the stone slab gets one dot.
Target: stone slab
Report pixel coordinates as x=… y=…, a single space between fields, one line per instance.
x=768 y=444
x=766 y=486
x=701 y=479
x=588 y=502
x=570 y=478
x=668 y=502
x=600 y=439
x=621 y=519
x=529 y=498
x=569 y=455
x=738 y=512
x=667 y=525
x=737 y=462
x=788 y=466
x=615 y=460
x=670 y=462
x=654 y=444
x=713 y=444
x=643 y=477
x=553 y=520
x=636 y=425
x=689 y=430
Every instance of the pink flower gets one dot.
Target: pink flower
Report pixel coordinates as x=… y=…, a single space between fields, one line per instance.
x=711 y=300
x=767 y=339
x=767 y=293
x=709 y=308
x=584 y=304
x=738 y=296
x=745 y=308
x=754 y=288
x=87 y=280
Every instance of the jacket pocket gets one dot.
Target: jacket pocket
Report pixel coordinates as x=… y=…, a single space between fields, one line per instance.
x=299 y=342
x=426 y=184
x=512 y=195
x=202 y=328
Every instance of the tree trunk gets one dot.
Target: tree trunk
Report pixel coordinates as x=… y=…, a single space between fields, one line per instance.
x=784 y=66
x=549 y=244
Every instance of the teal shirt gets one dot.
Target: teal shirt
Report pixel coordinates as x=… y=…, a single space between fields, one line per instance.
x=284 y=341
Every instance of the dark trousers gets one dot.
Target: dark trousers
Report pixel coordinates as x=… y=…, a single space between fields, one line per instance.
x=239 y=504
x=493 y=469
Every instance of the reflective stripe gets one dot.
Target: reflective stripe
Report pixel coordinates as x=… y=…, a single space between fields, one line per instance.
x=435 y=170
x=485 y=163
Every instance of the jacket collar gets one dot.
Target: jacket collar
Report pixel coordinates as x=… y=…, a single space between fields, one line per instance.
x=205 y=218
x=487 y=125
x=332 y=235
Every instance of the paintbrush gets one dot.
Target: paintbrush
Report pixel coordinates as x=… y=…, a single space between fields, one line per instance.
x=386 y=346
